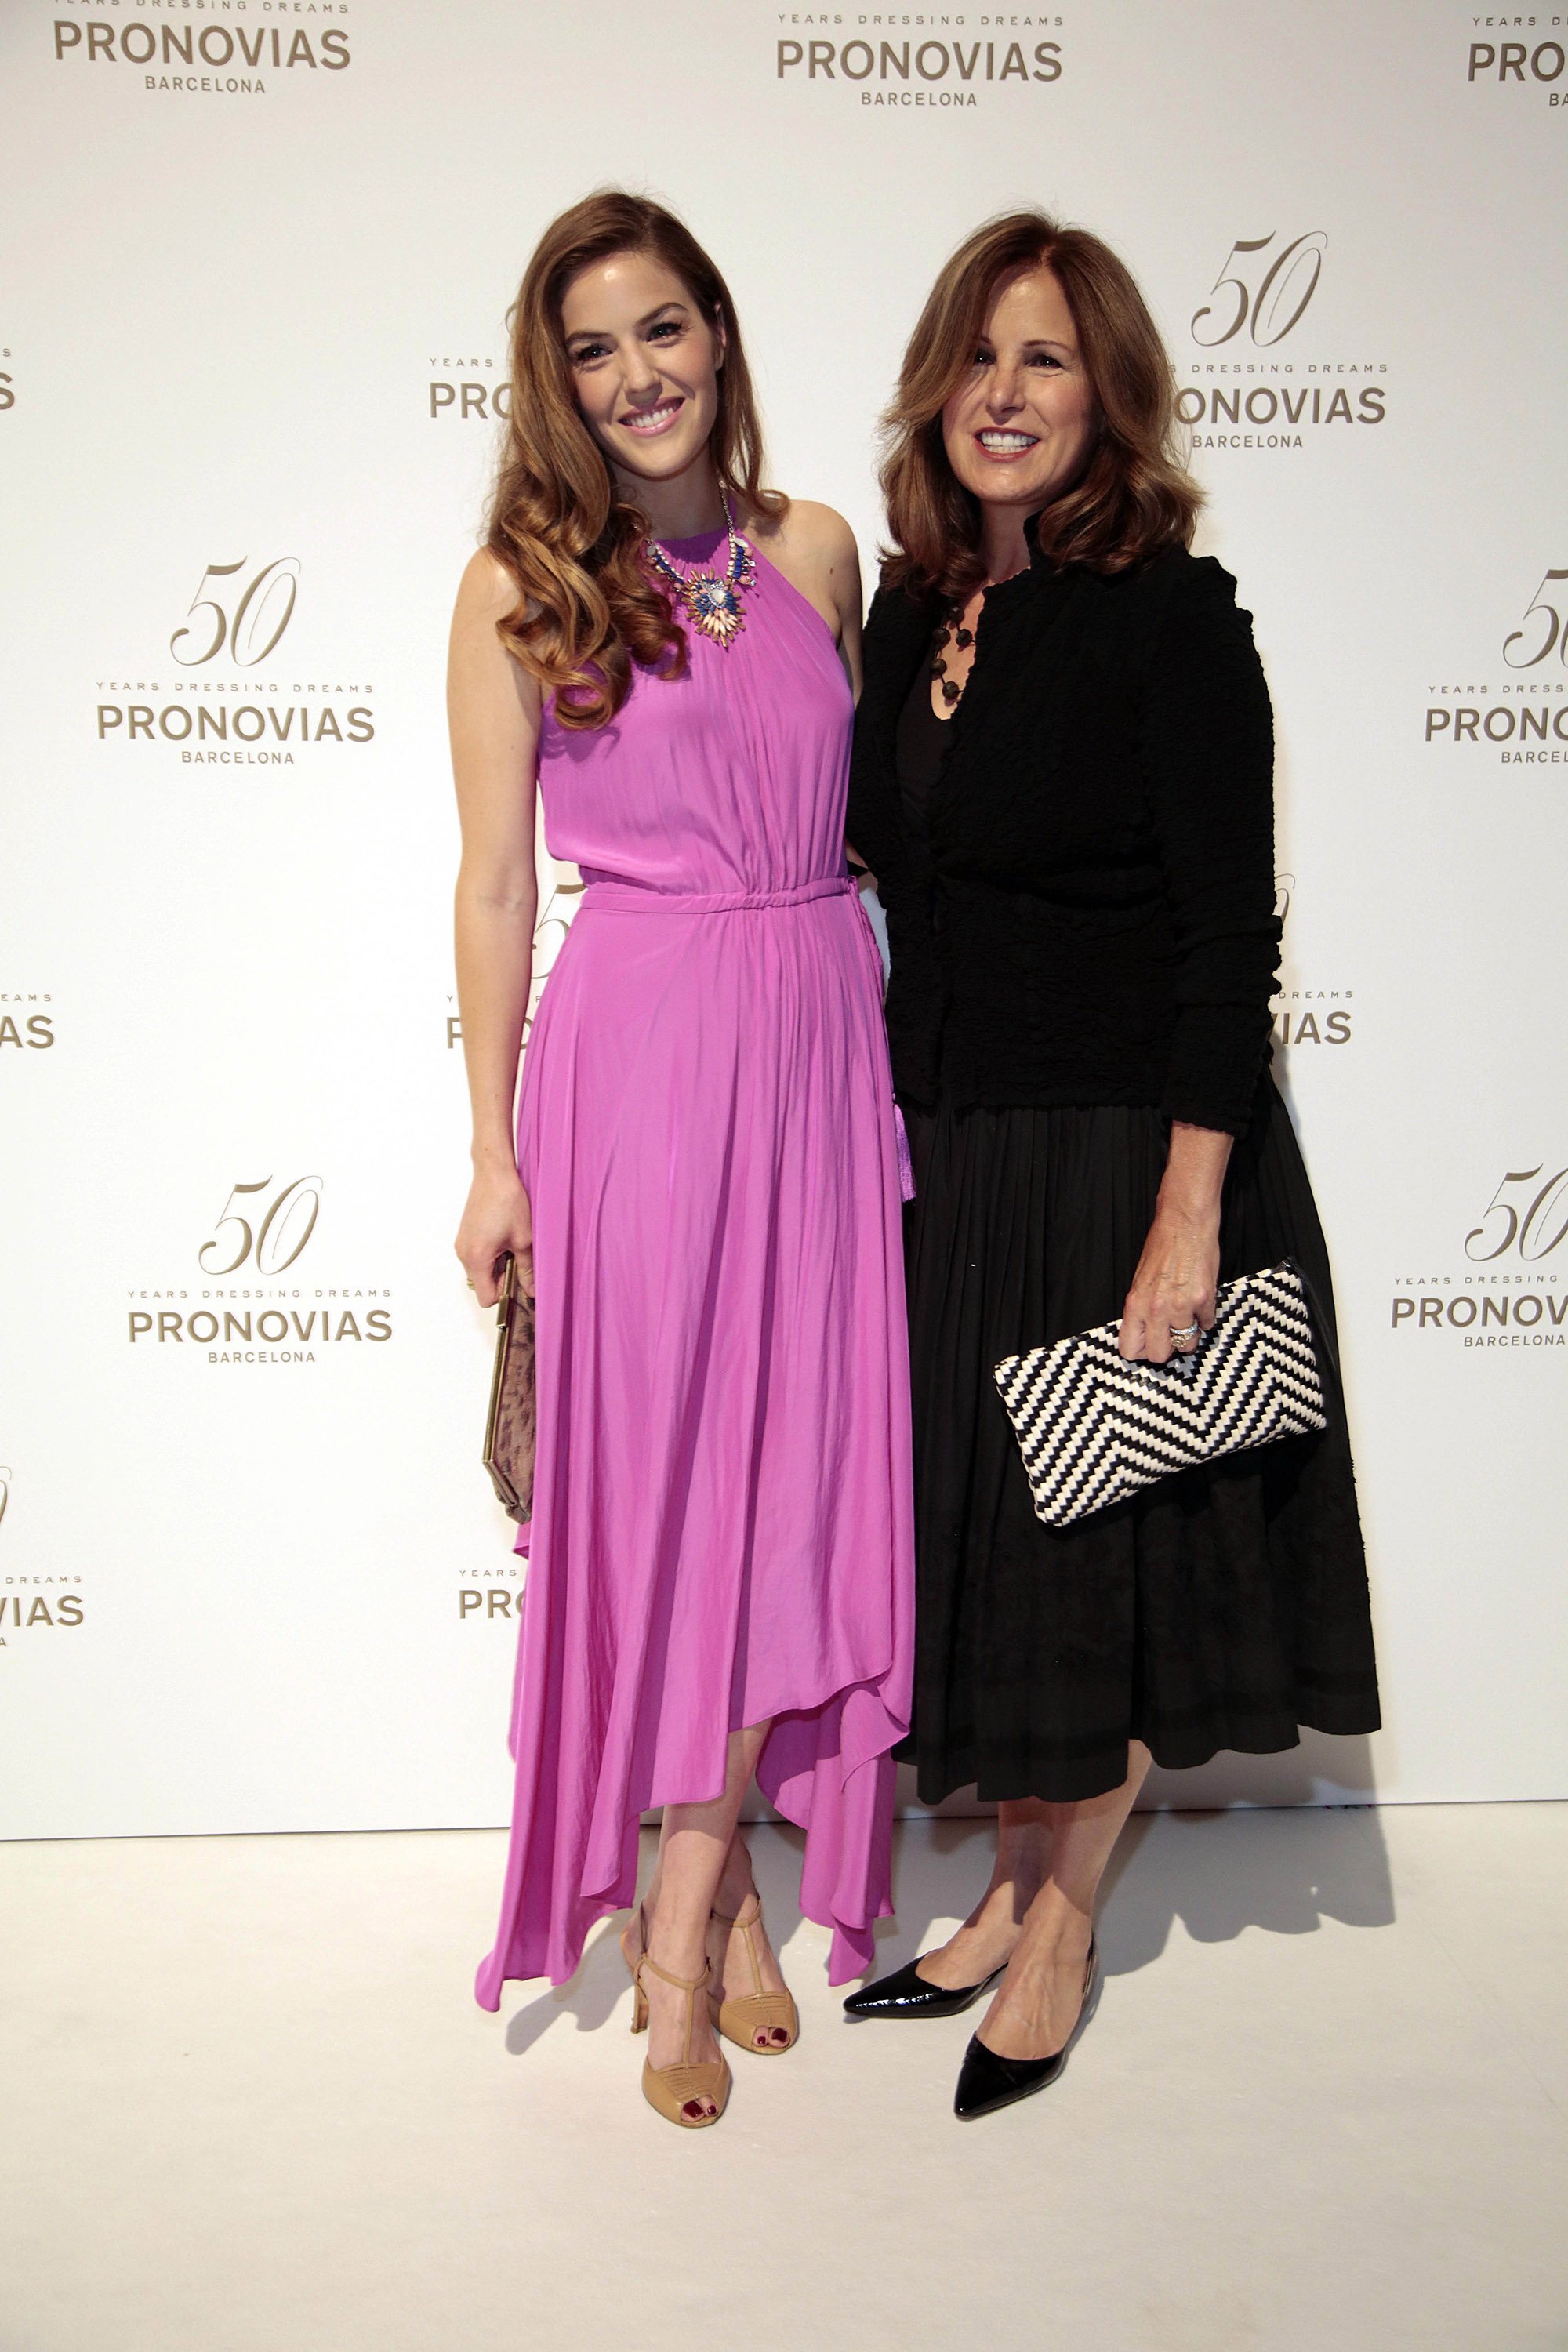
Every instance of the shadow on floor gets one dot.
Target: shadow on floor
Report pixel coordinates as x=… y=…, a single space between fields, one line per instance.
x=1274 y=1860
x=588 y=1996
x=1221 y=1873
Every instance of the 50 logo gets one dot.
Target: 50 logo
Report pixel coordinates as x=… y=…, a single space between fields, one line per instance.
x=1542 y=631
x=1533 y=1234
x=1550 y=636
x=266 y=600
x=1272 y=306
x=1525 y=1220
x=234 y=623
x=263 y=1230
x=278 y=1241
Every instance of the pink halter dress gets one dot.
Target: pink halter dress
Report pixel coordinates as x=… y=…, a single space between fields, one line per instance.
x=722 y=1516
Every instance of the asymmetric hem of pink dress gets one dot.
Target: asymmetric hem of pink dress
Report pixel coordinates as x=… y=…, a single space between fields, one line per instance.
x=722 y=1510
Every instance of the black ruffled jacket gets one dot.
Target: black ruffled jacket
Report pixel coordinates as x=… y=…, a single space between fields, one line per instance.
x=1093 y=919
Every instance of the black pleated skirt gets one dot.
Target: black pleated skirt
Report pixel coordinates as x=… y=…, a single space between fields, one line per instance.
x=1219 y=1609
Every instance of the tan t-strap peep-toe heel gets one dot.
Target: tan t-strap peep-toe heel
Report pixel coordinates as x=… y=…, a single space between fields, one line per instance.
x=679 y=2093
x=741 y=2021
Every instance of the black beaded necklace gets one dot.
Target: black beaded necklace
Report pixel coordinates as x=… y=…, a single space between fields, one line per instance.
x=953 y=633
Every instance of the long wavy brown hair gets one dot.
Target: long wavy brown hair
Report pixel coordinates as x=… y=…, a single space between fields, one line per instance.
x=1134 y=494
x=588 y=606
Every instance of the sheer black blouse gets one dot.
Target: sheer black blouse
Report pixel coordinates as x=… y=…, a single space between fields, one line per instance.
x=1087 y=914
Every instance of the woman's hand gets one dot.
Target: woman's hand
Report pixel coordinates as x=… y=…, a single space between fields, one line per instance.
x=1173 y=1288
x=497 y=1218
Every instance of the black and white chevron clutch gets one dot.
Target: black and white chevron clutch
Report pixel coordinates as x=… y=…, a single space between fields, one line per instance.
x=1093 y=1427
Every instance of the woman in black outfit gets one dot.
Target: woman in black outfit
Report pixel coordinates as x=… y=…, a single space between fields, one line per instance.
x=1062 y=784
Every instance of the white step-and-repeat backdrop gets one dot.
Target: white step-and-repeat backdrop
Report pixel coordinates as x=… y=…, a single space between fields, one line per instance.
x=258 y=258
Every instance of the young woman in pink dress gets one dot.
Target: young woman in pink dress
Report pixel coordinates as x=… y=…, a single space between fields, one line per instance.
x=704 y=1175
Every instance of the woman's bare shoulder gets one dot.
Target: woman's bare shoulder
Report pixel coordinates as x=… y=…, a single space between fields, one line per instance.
x=481 y=665
x=815 y=549
x=487 y=590
x=817 y=532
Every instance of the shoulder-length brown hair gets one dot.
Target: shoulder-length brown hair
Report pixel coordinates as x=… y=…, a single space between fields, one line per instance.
x=1134 y=495
x=587 y=607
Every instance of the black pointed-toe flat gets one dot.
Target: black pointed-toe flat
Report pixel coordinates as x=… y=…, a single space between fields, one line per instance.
x=986 y=2082
x=905 y=1994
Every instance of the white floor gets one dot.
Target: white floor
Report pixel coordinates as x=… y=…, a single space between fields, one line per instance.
x=250 y=2107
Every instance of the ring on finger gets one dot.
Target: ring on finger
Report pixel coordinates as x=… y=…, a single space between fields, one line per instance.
x=1187 y=1331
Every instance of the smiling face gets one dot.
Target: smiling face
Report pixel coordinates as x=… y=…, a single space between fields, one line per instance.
x=644 y=364
x=1019 y=427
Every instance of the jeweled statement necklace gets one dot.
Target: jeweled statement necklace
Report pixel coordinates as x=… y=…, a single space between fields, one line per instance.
x=714 y=602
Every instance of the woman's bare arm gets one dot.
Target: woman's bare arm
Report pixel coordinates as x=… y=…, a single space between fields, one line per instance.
x=842 y=558
x=1179 y=1271
x=493 y=712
